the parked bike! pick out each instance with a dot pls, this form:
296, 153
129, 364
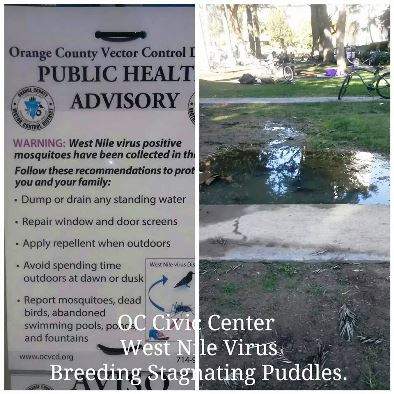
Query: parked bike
380, 82
277, 67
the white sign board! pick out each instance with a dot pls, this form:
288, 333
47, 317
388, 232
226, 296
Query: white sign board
99, 183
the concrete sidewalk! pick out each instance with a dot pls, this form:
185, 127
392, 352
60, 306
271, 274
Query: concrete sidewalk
312, 233
284, 100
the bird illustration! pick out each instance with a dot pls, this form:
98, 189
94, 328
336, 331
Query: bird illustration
185, 280
157, 335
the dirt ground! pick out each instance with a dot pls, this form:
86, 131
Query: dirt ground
305, 301
253, 131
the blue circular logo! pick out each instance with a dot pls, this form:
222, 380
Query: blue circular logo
33, 108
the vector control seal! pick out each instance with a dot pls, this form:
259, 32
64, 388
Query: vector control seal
33, 108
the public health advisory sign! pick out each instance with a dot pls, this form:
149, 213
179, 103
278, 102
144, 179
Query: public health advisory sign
99, 193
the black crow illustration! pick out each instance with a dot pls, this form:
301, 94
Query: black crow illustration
185, 280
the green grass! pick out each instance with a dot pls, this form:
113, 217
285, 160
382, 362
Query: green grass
229, 288
270, 281
370, 375
372, 381
288, 270
228, 300
310, 87
327, 125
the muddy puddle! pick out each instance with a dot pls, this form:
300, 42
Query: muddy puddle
283, 172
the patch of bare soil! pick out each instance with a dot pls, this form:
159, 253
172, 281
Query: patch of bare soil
305, 301
251, 132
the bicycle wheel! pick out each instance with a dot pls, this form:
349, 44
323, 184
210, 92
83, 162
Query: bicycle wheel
344, 86
288, 73
383, 85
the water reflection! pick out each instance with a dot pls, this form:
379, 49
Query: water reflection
283, 165
282, 173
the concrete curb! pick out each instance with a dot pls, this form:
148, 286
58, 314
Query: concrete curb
299, 233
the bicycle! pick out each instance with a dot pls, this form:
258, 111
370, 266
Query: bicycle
288, 71
379, 83
275, 66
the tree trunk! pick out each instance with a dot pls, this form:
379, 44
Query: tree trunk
233, 18
325, 41
205, 37
321, 32
256, 31
315, 28
249, 19
230, 48
341, 29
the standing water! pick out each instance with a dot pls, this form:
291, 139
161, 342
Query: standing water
282, 173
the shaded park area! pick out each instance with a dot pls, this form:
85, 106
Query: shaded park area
293, 51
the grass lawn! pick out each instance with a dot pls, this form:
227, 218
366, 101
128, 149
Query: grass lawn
327, 125
302, 87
